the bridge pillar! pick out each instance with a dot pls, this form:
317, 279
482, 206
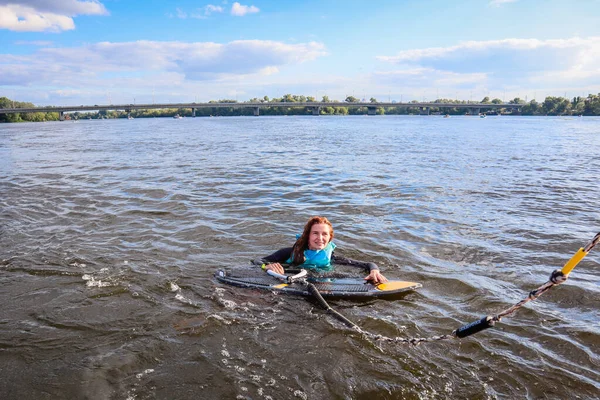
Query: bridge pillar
425, 110
316, 110
371, 110
61, 115
428, 110
256, 111
194, 112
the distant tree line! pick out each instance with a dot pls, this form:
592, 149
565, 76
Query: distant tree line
550, 106
25, 117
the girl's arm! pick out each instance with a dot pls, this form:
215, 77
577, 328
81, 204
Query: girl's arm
369, 266
272, 262
374, 274
280, 256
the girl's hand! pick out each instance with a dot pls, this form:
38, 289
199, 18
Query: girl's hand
275, 267
376, 277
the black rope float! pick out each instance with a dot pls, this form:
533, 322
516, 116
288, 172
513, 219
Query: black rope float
556, 278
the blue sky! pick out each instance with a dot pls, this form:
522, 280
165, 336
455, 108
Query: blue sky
67, 52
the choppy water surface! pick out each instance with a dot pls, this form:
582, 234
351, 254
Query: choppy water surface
110, 232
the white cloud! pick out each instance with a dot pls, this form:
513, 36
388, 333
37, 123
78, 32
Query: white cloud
206, 11
39, 15
67, 93
481, 47
26, 19
269, 71
161, 71
180, 14
200, 61
516, 60
43, 43
487, 47
239, 10
63, 7
498, 3
424, 77
209, 9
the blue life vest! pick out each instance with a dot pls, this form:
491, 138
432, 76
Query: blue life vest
317, 259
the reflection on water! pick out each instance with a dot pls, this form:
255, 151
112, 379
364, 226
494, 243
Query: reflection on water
110, 232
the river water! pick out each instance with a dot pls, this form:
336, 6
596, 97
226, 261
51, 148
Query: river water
111, 231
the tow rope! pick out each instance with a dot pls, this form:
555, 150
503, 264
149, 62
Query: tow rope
556, 278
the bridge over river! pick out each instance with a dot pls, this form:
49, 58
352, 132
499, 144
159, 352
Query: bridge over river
315, 107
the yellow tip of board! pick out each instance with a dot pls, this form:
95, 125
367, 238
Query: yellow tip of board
280, 286
395, 285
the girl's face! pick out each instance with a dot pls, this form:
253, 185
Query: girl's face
319, 237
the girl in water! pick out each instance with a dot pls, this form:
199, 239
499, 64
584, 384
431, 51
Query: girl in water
314, 250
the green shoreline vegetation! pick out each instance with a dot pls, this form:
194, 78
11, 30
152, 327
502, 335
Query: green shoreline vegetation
551, 106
